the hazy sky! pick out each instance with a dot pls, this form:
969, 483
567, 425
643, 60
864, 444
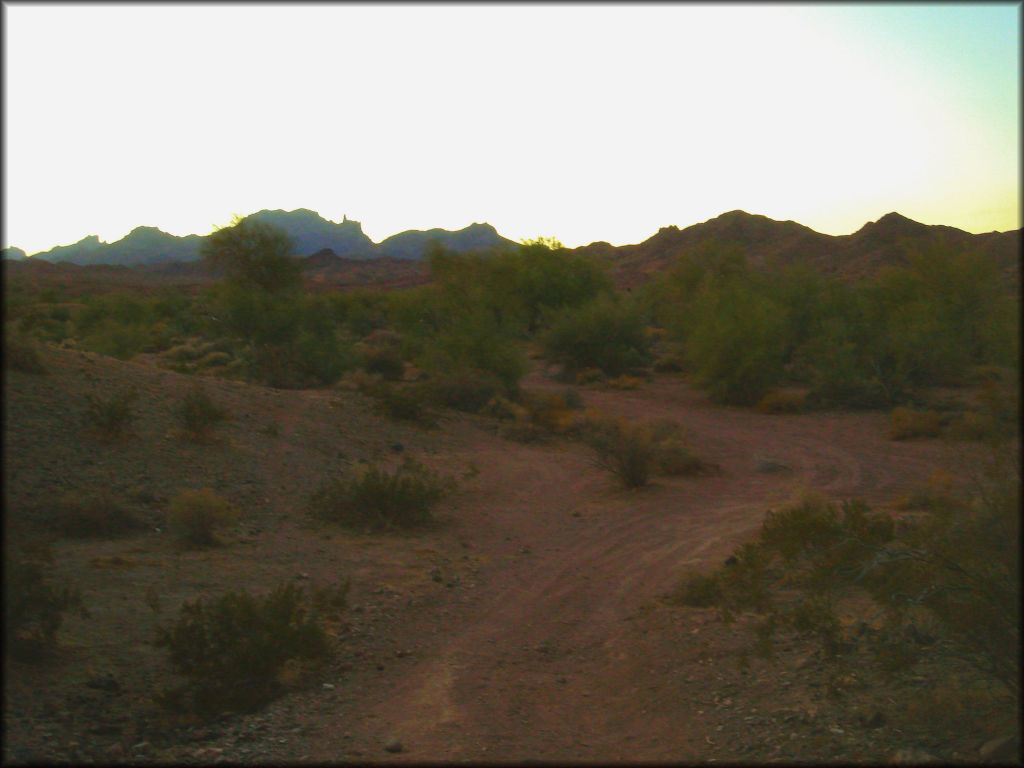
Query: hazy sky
581, 122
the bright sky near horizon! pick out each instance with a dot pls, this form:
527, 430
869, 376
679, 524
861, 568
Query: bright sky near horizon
580, 122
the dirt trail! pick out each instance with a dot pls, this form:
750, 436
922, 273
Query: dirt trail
529, 625
543, 656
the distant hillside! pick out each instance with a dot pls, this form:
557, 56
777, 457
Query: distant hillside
12, 253
770, 243
413, 243
341, 254
310, 233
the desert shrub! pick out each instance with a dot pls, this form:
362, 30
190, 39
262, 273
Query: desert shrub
381, 352
34, 606
475, 347
542, 277
361, 310
197, 414
45, 323
625, 450
669, 362
111, 417
21, 353
699, 590
634, 451
118, 325
195, 516
386, 361
944, 581
737, 341
234, 650
121, 341
253, 256
213, 359
604, 334
378, 498
502, 408
307, 358
365, 383
625, 381
404, 403
322, 356
906, 423
518, 288
672, 457
183, 353
159, 337
275, 366
550, 410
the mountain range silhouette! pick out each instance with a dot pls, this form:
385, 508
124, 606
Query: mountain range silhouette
764, 241
310, 233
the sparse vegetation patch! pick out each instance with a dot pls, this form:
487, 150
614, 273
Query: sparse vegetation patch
195, 517
944, 580
233, 650
111, 417
34, 605
198, 414
377, 498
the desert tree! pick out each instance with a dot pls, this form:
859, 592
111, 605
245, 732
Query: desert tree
253, 255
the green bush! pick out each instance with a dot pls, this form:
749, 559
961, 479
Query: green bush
625, 450
377, 498
605, 334
215, 359
34, 607
516, 289
698, 590
46, 323
111, 417
322, 356
195, 516
197, 414
401, 402
253, 256
121, 341
634, 451
738, 342
950, 570
21, 353
381, 352
673, 457
474, 350
233, 650
307, 359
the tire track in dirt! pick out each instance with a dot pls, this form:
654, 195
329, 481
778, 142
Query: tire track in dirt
538, 663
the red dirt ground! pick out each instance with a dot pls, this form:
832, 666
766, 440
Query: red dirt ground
529, 624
